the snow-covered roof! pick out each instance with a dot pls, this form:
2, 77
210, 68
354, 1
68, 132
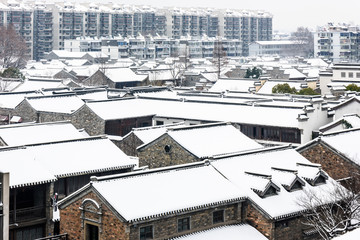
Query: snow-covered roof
186, 189
24, 170
232, 232
68, 55
211, 139
242, 85
148, 134
294, 73
197, 110
347, 121
34, 84
124, 75
83, 156
253, 172
67, 103
225, 180
11, 100
29, 133
45, 162
345, 142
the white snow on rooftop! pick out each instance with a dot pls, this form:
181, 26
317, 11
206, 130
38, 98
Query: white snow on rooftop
211, 139
268, 116
38, 84
57, 103
232, 85
284, 202
12, 100
22, 134
83, 156
233, 232
23, 168
124, 75
346, 142
184, 189
148, 134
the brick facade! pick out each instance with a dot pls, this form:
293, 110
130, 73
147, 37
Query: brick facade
336, 165
112, 228
154, 155
289, 228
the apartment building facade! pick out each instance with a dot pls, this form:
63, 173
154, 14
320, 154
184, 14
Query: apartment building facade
147, 47
46, 26
337, 43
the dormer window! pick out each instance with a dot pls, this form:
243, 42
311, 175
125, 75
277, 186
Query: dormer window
270, 192
296, 186
320, 180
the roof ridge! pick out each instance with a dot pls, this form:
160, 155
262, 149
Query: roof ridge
251, 151
146, 171
206, 125
339, 132
27, 124
68, 94
158, 126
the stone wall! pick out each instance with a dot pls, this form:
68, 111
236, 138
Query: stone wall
290, 228
111, 226
259, 221
155, 155
167, 227
334, 164
129, 144
26, 112
88, 120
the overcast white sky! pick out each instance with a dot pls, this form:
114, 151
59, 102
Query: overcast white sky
288, 14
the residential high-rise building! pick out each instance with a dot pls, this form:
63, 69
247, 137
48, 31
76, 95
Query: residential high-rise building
337, 42
45, 26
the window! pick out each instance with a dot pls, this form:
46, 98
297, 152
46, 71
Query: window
218, 216
92, 232
357, 75
183, 224
297, 186
343, 74
270, 192
282, 224
351, 75
146, 233
320, 180
159, 123
167, 148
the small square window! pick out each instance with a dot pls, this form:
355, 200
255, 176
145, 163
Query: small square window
351, 75
343, 74
357, 75
183, 224
218, 216
146, 233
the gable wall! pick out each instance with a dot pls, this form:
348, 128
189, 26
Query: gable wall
154, 155
26, 112
88, 120
332, 163
112, 227
129, 144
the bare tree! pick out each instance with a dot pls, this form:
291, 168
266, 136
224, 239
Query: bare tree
13, 49
219, 56
305, 40
177, 70
332, 215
